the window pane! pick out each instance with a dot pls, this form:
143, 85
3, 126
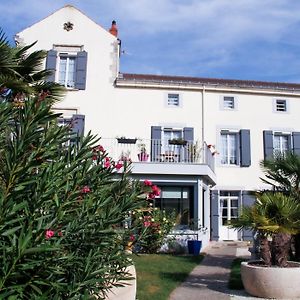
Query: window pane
232, 149
224, 149
71, 72
62, 70
178, 200
234, 213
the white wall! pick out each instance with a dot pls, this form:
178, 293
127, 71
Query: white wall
254, 112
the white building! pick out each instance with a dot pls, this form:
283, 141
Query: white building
225, 127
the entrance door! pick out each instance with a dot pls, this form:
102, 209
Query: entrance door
228, 211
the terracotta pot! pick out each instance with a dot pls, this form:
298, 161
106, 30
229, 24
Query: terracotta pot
271, 282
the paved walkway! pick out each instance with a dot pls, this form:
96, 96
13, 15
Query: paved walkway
209, 280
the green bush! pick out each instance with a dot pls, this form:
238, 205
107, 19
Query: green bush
63, 201
150, 224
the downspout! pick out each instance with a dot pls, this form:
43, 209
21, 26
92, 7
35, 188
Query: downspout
202, 129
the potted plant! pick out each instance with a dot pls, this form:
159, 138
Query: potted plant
275, 216
143, 155
179, 141
194, 245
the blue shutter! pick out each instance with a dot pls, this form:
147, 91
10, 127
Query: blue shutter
81, 65
188, 135
245, 154
268, 144
51, 64
247, 200
296, 142
214, 206
155, 143
78, 124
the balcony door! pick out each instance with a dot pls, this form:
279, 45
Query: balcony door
171, 152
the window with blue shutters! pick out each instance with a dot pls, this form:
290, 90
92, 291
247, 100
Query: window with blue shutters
278, 143
68, 66
235, 147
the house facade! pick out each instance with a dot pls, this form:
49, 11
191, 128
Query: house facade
199, 139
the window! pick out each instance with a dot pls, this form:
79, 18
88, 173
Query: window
281, 143
173, 100
228, 103
67, 70
178, 200
229, 146
281, 105
235, 147
68, 65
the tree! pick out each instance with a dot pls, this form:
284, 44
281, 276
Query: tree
275, 217
22, 73
283, 173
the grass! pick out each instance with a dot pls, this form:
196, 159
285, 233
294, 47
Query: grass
159, 274
235, 280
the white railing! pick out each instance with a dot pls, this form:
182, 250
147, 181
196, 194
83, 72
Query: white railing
158, 151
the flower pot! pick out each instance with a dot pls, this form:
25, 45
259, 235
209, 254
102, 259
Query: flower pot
271, 282
194, 247
126, 141
143, 156
177, 142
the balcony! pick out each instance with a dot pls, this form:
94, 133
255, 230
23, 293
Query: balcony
172, 152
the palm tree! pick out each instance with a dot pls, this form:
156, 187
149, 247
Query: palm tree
283, 173
275, 217
22, 73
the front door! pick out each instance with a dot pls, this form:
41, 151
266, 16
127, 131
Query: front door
228, 212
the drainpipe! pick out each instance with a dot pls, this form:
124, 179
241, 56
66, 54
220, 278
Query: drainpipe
202, 129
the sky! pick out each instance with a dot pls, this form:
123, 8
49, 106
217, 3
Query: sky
232, 39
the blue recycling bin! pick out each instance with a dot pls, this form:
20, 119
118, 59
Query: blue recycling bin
194, 247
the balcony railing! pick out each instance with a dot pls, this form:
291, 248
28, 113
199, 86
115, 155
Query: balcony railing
159, 151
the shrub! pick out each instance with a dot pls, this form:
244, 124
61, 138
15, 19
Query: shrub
63, 201
150, 224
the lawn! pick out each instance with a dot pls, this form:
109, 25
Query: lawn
159, 274
235, 280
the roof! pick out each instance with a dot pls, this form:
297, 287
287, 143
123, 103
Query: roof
165, 79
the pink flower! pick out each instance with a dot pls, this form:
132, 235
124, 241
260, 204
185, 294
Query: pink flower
147, 223
94, 157
147, 182
49, 234
99, 148
107, 162
132, 238
85, 189
119, 165
155, 190
151, 196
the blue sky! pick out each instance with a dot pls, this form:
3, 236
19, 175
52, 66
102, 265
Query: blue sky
236, 39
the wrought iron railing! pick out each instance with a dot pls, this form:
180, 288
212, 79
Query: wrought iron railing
159, 151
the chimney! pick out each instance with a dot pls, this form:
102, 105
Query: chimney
113, 29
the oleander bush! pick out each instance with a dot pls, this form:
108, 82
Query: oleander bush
63, 200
